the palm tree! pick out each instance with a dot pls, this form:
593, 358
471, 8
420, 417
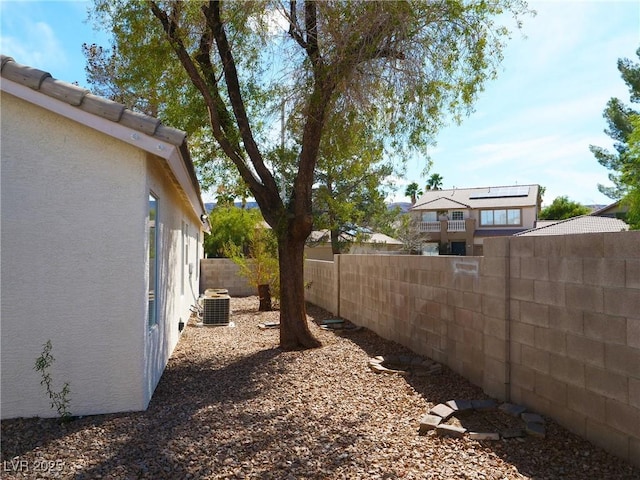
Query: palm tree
412, 191
434, 182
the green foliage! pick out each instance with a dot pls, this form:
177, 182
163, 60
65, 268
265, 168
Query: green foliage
562, 208
259, 266
230, 225
623, 162
413, 191
630, 174
403, 67
397, 71
351, 181
59, 400
408, 232
434, 182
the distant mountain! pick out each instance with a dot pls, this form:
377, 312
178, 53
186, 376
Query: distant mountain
404, 206
595, 208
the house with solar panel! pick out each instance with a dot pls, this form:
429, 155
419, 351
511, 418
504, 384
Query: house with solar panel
456, 221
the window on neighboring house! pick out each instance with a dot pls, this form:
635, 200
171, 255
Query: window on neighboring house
500, 217
457, 215
429, 217
152, 226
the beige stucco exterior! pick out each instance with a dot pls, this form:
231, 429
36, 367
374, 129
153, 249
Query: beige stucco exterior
75, 259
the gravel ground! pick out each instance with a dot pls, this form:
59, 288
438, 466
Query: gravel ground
232, 405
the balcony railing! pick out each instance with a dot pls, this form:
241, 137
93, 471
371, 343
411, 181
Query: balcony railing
452, 226
455, 226
429, 226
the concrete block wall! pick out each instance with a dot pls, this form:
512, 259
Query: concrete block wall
549, 322
451, 309
321, 284
223, 273
575, 334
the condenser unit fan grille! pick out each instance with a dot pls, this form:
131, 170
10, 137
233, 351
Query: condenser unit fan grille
216, 310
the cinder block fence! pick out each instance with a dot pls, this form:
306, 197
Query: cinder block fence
552, 323
223, 273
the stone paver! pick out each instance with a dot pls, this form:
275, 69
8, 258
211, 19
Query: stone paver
513, 409
532, 418
535, 429
513, 433
488, 404
442, 411
484, 436
414, 364
429, 422
460, 405
451, 431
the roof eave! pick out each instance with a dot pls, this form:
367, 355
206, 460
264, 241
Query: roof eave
177, 156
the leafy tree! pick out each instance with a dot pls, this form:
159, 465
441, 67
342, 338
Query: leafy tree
622, 128
259, 265
350, 178
413, 191
562, 208
408, 232
406, 67
230, 225
435, 182
630, 175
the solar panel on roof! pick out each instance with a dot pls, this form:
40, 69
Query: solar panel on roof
501, 192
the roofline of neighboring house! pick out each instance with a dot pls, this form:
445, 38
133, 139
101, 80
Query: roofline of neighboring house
443, 193
440, 198
111, 118
559, 222
596, 213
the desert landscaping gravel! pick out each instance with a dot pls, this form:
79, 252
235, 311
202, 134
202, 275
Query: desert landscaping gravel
232, 405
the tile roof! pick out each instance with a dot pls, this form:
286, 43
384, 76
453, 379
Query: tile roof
374, 237
82, 99
576, 225
479, 197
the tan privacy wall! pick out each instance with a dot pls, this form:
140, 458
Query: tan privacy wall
552, 323
223, 273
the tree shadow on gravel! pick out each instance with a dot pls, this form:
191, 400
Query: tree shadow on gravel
184, 432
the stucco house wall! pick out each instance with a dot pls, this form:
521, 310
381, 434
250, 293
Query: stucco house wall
75, 252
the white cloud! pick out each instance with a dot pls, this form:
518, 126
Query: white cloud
37, 46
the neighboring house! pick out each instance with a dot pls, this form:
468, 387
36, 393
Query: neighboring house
603, 220
615, 210
457, 221
102, 225
583, 224
318, 245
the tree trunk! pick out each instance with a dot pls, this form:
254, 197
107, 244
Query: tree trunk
294, 330
335, 241
264, 294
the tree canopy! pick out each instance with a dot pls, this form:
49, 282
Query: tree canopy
624, 161
562, 208
222, 70
230, 225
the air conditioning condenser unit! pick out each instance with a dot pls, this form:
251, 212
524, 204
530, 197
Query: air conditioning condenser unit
215, 310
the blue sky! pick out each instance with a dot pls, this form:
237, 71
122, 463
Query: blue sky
534, 124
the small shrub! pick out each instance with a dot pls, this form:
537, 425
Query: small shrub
59, 400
